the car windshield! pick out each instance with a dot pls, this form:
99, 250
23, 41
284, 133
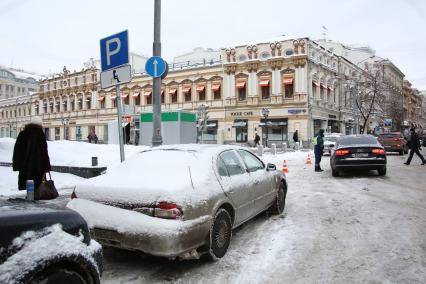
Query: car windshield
354, 140
389, 135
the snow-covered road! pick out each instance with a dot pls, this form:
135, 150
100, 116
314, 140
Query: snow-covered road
354, 229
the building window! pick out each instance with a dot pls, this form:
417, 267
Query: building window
265, 55
288, 87
136, 99
162, 96
57, 133
265, 89
241, 90
58, 106
88, 103
54, 85
78, 134
80, 103
322, 87
113, 101
148, 97
64, 105
72, 103
201, 90
187, 93
173, 95
51, 107
289, 52
101, 101
216, 89
242, 57
75, 81
125, 98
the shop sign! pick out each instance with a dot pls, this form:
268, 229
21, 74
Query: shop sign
241, 113
332, 116
296, 111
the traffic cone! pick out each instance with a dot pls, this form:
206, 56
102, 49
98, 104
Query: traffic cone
285, 168
308, 160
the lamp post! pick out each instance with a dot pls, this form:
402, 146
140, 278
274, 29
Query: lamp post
265, 114
65, 122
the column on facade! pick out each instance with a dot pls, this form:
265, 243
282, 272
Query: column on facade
226, 86
94, 101
275, 81
83, 101
252, 84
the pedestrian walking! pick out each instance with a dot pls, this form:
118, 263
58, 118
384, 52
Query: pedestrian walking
414, 147
318, 149
256, 140
295, 138
30, 156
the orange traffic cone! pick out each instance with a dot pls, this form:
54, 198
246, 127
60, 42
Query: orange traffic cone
308, 160
285, 168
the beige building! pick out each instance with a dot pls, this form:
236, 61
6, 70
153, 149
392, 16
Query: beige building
412, 105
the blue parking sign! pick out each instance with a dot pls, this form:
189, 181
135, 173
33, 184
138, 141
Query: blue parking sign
114, 50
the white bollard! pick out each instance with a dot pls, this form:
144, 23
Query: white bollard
284, 147
274, 149
296, 146
260, 150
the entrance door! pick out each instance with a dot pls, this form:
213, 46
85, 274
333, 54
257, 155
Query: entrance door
46, 133
241, 130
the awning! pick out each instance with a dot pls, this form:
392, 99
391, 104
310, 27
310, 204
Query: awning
173, 91
239, 124
136, 95
288, 81
264, 83
186, 90
315, 83
113, 97
330, 88
216, 87
323, 86
101, 99
162, 92
124, 96
147, 93
201, 88
241, 85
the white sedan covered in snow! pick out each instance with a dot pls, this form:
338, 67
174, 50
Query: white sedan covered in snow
179, 201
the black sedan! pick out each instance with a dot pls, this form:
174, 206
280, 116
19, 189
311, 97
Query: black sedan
362, 152
40, 244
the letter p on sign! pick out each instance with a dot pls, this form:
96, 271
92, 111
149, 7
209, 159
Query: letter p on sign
114, 51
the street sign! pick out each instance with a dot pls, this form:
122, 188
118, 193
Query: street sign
116, 76
156, 66
114, 50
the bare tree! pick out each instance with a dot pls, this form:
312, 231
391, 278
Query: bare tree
368, 94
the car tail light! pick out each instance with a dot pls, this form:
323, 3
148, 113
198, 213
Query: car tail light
167, 210
378, 151
73, 194
342, 152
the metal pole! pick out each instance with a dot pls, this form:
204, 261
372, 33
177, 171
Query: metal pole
120, 128
16, 118
157, 139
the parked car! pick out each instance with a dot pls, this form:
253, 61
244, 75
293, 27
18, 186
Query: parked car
393, 142
46, 245
330, 141
179, 201
358, 152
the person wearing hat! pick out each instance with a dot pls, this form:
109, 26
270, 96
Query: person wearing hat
318, 149
30, 156
414, 147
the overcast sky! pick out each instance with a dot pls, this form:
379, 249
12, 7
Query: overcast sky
45, 35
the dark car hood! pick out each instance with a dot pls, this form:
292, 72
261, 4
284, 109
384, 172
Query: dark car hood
18, 216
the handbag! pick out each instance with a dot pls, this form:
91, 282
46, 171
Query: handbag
46, 190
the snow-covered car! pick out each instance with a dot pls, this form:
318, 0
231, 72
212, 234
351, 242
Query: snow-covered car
41, 244
179, 201
330, 142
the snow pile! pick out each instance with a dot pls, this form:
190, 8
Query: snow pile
37, 247
73, 153
131, 222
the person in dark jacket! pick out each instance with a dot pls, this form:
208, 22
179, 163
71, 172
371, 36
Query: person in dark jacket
414, 147
30, 156
256, 140
318, 149
295, 137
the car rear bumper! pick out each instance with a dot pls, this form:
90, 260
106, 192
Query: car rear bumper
136, 231
361, 163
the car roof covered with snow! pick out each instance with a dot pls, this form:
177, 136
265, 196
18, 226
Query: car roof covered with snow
166, 172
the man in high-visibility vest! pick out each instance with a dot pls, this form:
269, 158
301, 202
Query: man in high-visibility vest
318, 149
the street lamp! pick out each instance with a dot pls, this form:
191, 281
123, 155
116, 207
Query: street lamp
65, 122
265, 114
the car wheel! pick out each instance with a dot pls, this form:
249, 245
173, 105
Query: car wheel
59, 275
220, 234
382, 171
334, 173
279, 203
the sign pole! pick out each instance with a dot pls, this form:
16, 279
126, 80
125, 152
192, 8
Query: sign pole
120, 127
157, 139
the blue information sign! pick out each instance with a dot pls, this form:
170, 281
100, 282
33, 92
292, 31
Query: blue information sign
114, 51
155, 66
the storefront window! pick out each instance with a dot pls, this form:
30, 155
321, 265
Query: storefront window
274, 130
57, 133
241, 130
78, 134
210, 134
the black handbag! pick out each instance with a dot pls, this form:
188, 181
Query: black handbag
46, 190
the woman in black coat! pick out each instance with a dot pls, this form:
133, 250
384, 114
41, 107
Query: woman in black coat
30, 156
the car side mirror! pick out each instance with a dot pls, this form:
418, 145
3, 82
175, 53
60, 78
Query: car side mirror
271, 167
